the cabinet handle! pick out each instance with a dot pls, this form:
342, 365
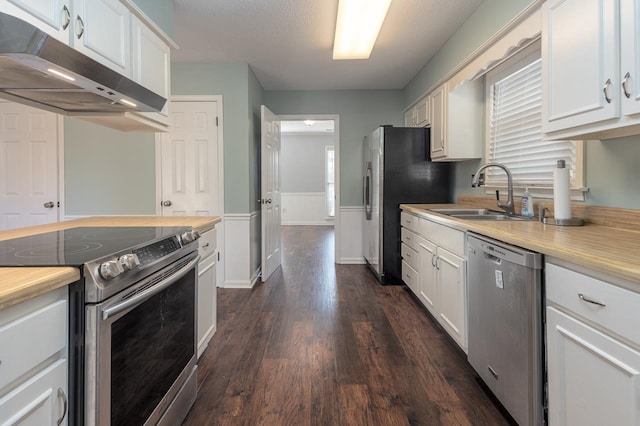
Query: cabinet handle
80, 26
606, 89
67, 17
437, 265
62, 395
625, 81
585, 299
433, 260
205, 245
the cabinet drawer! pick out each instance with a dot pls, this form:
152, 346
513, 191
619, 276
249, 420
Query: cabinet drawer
409, 255
620, 315
31, 339
410, 221
443, 236
410, 277
208, 244
39, 401
409, 238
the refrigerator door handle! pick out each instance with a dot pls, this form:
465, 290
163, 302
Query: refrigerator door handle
367, 192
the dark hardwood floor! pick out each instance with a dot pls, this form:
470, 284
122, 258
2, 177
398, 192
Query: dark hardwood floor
325, 344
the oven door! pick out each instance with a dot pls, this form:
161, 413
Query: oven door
140, 348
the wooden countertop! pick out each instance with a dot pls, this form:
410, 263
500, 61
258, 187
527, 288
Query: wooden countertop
613, 251
19, 284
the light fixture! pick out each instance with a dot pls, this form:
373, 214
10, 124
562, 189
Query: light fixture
60, 74
129, 103
357, 27
309, 122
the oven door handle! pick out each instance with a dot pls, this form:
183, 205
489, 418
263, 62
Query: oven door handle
150, 292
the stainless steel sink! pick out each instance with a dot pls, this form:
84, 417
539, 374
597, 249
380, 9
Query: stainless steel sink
478, 214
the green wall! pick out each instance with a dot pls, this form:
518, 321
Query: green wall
256, 94
361, 111
232, 82
160, 12
108, 171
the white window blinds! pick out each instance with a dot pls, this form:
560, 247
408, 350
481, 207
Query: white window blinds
515, 131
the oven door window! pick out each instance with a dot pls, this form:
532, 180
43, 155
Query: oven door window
150, 346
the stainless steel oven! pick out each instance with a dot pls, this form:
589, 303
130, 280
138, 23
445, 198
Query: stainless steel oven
132, 319
140, 350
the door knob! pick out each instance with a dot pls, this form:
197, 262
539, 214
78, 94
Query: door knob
167, 203
49, 205
268, 201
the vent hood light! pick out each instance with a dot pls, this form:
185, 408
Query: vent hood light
357, 27
60, 74
126, 102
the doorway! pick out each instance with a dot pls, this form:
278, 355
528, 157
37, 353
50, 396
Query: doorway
309, 167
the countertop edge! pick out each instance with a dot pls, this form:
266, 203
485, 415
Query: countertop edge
588, 260
32, 282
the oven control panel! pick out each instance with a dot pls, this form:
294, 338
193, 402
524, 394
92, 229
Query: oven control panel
157, 250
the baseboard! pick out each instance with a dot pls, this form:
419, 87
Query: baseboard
351, 261
305, 223
238, 284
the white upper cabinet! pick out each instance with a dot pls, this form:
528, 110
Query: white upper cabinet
630, 58
456, 121
51, 16
591, 67
151, 61
581, 77
418, 114
102, 31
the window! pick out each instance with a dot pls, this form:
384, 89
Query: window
514, 129
330, 191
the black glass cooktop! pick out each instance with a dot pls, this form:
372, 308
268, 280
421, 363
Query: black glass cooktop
77, 246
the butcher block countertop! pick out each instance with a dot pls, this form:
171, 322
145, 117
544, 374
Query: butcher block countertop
20, 284
610, 250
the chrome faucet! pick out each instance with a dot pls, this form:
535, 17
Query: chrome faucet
477, 180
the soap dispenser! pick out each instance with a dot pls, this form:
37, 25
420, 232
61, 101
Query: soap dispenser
527, 204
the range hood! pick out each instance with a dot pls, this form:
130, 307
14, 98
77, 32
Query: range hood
40, 71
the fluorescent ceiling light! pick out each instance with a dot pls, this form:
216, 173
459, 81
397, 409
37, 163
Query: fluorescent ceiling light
357, 27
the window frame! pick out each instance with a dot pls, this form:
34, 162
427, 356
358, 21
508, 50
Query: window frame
510, 65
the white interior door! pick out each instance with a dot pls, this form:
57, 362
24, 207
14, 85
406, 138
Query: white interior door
270, 199
28, 166
190, 161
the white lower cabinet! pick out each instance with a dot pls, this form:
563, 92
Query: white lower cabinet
33, 361
441, 268
593, 350
207, 293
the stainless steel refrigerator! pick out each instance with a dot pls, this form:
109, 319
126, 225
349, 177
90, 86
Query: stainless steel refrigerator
398, 170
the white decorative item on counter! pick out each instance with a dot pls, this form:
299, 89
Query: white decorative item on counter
561, 192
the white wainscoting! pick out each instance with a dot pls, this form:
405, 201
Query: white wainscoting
304, 208
351, 226
242, 259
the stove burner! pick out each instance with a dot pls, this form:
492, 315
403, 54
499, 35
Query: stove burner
47, 250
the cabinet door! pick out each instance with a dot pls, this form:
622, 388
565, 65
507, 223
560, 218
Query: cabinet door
409, 117
102, 31
428, 289
422, 113
580, 63
42, 400
206, 302
51, 16
151, 61
630, 56
452, 294
593, 379
438, 122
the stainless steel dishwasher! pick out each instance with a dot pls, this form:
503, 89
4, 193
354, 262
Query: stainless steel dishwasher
505, 325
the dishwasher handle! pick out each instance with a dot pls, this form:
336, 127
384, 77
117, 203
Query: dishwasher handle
498, 250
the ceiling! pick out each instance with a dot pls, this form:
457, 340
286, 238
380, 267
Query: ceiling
288, 43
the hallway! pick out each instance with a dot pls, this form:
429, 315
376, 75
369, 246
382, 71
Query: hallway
325, 344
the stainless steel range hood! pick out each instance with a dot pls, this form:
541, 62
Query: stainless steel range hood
40, 71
